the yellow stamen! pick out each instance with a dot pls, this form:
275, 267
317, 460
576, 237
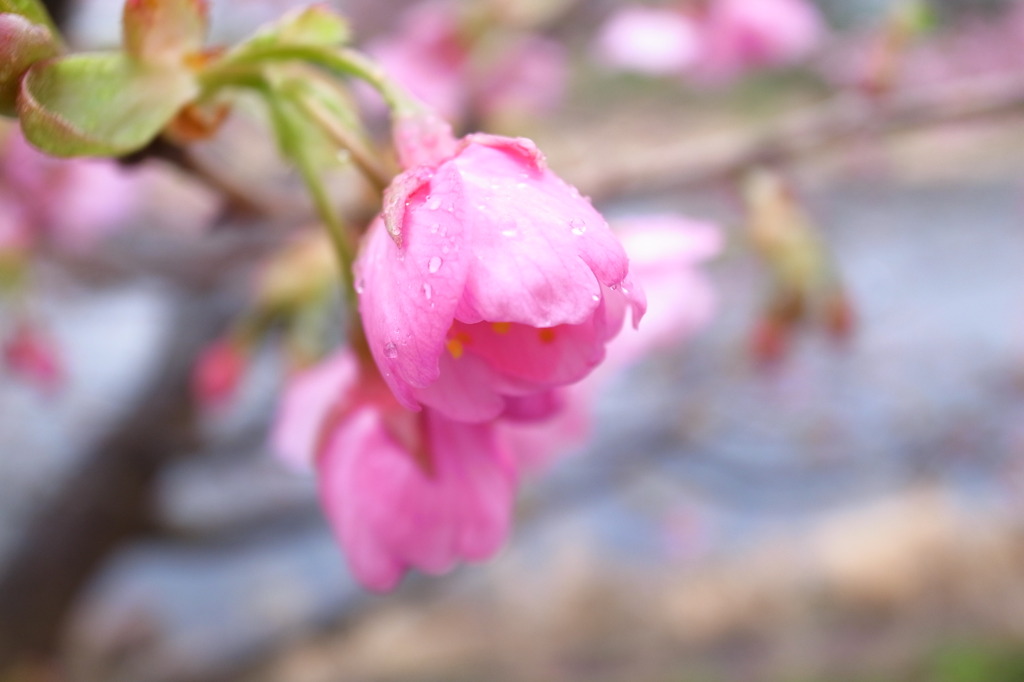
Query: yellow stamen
502, 327
457, 344
547, 335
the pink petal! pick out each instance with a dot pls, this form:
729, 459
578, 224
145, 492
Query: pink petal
466, 390
541, 251
308, 399
390, 515
408, 296
545, 357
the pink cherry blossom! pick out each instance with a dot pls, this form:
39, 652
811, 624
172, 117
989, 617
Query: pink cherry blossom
648, 40
739, 35
32, 355
489, 277
401, 489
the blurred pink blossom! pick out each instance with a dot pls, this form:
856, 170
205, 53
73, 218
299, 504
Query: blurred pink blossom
428, 56
654, 41
489, 277
217, 373
740, 35
528, 77
713, 41
69, 202
462, 72
30, 354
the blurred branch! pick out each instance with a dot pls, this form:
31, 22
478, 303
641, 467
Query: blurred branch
843, 120
106, 501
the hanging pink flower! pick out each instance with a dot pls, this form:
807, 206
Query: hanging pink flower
488, 277
401, 490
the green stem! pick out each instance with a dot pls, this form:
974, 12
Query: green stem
294, 149
345, 61
361, 156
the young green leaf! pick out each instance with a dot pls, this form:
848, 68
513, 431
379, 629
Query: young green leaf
313, 26
99, 104
22, 43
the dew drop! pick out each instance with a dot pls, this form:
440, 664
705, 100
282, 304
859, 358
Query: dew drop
595, 298
434, 228
509, 233
360, 285
433, 203
428, 291
390, 350
577, 226
434, 264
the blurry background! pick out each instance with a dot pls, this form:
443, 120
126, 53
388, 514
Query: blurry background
810, 503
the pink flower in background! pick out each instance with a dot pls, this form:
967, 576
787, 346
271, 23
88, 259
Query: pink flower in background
666, 252
716, 41
461, 69
218, 373
654, 41
30, 354
497, 280
427, 55
528, 76
401, 489
70, 202
739, 35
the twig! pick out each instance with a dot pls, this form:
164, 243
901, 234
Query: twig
839, 121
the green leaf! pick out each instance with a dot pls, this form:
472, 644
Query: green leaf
99, 104
164, 30
22, 43
33, 10
313, 26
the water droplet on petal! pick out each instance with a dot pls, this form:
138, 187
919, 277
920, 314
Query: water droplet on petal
360, 285
595, 298
434, 228
434, 264
390, 350
509, 233
578, 226
433, 203
428, 291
